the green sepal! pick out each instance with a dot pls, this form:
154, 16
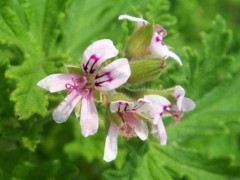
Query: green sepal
139, 42
97, 96
145, 70
74, 69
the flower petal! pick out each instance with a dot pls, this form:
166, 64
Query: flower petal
175, 57
110, 150
157, 47
188, 104
139, 126
55, 82
120, 106
63, 111
141, 106
89, 115
162, 132
158, 105
178, 91
96, 54
113, 75
157, 99
179, 94
140, 22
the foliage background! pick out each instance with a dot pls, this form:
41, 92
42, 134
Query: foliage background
38, 37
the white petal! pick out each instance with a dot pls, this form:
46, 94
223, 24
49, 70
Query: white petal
157, 47
158, 100
188, 104
55, 82
141, 106
162, 132
63, 111
139, 126
96, 54
178, 91
120, 106
179, 94
140, 22
113, 75
158, 104
110, 150
180, 103
175, 57
89, 115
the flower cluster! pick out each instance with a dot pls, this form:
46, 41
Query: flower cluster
127, 114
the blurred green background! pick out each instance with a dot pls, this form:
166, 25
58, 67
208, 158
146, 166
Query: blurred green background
38, 37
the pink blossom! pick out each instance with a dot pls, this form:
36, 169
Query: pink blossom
158, 106
80, 87
182, 105
131, 125
157, 47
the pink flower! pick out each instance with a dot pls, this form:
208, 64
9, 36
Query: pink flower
158, 106
157, 48
80, 87
131, 125
182, 105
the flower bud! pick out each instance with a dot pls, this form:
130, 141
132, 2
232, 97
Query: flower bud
139, 42
144, 70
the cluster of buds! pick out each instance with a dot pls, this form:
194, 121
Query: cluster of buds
129, 113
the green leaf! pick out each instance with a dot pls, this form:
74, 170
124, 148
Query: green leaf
214, 62
13, 164
27, 26
172, 162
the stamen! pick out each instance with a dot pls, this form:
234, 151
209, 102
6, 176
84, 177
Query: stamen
127, 131
78, 85
177, 115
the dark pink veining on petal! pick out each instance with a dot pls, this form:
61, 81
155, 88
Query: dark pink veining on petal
126, 106
119, 106
90, 68
108, 78
137, 106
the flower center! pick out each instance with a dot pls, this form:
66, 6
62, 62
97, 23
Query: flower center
175, 114
126, 130
78, 84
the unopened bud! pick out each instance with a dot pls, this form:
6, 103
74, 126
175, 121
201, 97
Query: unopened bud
145, 70
138, 43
